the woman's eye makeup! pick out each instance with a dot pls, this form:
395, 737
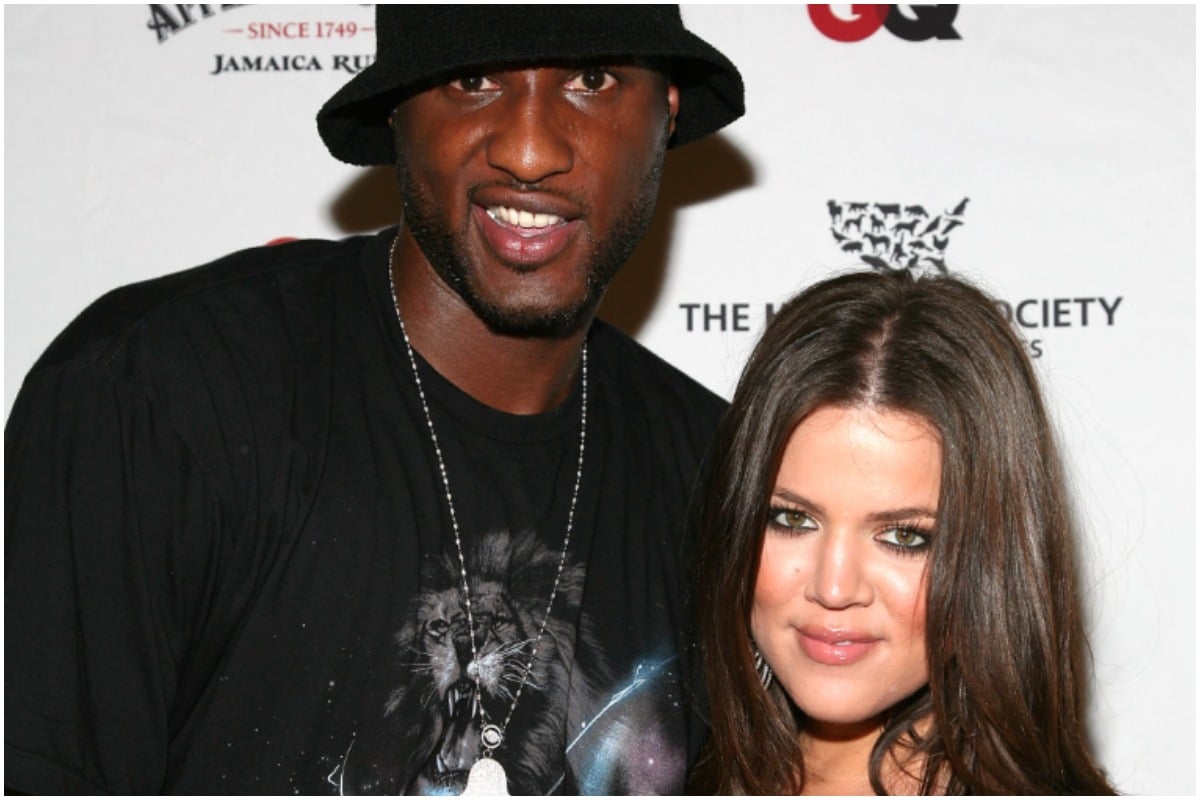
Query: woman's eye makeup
904, 538
907, 538
787, 519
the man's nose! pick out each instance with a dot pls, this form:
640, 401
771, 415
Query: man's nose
531, 138
838, 579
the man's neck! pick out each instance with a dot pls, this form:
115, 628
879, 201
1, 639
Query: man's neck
518, 375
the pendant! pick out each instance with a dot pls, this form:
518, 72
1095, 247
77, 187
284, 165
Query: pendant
487, 778
491, 737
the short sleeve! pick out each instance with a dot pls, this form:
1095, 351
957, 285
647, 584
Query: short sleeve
112, 539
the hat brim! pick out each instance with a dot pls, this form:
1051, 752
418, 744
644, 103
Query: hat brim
354, 126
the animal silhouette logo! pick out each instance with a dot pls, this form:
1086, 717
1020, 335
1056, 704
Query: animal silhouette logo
895, 236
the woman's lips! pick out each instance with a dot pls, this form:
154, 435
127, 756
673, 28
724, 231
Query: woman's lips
835, 648
524, 238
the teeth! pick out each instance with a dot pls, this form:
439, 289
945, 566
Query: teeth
522, 219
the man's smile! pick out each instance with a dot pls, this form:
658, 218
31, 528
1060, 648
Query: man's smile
526, 191
524, 238
521, 218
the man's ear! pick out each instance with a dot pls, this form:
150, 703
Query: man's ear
672, 107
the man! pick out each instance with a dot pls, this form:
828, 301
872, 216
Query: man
390, 514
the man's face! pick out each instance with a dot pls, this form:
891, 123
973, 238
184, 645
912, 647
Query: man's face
527, 189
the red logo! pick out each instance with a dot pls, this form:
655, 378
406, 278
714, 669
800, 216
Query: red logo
867, 19
913, 23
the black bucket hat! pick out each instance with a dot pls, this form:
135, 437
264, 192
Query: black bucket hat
418, 45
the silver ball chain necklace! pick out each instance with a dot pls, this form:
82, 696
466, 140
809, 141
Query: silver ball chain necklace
487, 775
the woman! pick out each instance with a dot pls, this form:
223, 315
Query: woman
887, 591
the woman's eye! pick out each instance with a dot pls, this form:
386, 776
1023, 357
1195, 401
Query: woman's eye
592, 80
791, 519
908, 538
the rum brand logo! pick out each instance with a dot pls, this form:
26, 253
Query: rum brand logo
913, 23
315, 33
168, 20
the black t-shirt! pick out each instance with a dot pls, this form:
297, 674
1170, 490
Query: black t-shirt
229, 564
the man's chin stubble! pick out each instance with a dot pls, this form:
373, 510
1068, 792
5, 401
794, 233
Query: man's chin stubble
604, 260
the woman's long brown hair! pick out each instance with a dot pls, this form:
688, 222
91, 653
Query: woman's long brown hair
1003, 712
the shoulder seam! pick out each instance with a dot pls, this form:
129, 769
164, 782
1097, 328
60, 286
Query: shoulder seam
118, 342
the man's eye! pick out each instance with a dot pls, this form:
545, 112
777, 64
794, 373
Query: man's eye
592, 80
473, 83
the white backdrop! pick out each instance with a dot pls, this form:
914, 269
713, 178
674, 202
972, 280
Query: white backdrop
1050, 150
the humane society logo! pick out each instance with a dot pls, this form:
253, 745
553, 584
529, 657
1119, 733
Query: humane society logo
271, 25
884, 236
894, 235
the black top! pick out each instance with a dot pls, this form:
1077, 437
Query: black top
229, 565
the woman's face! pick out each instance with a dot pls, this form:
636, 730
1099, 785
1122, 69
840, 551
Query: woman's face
839, 602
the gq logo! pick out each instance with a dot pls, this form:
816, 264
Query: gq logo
916, 24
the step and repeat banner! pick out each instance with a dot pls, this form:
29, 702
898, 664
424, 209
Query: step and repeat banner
1048, 153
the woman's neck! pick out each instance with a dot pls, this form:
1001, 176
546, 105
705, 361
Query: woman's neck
837, 761
837, 757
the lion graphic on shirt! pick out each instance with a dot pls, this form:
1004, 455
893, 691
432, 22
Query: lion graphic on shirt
614, 741
510, 580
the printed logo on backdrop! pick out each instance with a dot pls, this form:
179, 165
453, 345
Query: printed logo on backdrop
257, 25
892, 236
884, 236
895, 235
898, 236
908, 22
